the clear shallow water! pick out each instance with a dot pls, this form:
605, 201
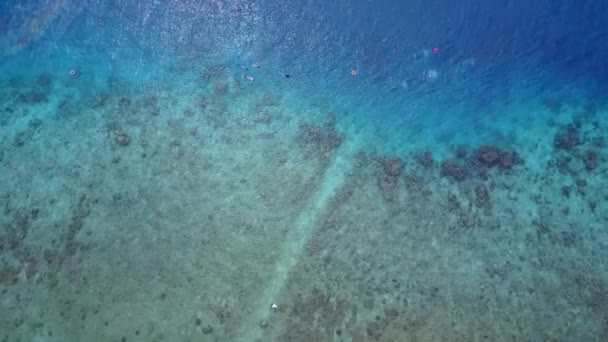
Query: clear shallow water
162, 179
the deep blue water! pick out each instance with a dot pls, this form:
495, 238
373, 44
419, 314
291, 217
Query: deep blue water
487, 53
382, 39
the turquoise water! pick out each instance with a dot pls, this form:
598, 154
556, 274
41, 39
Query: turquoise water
303, 171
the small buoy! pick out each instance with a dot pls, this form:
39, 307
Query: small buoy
353, 72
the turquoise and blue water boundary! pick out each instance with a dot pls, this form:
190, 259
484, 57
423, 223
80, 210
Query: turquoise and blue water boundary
235, 171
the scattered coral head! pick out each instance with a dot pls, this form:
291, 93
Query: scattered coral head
392, 166
449, 168
590, 159
490, 156
482, 196
567, 139
425, 159
319, 140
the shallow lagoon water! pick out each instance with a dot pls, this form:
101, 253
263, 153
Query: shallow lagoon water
163, 180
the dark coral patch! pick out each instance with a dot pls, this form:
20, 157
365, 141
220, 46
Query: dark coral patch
425, 160
479, 163
461, 152
317, 140
490, 156
450, 168
392, 166
590, 159
567, 138
33, 97
482, 196
389, 172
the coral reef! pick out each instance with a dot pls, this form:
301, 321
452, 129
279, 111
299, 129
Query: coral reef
220, 89
388, 176
122, 139
567, 138
490, 156
482, 197
451, 169
425, 159
577, 147
392, 166
590, 159
319, 141
484, 158
33, 97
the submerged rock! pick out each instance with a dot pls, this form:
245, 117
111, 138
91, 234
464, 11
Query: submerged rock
393, 166
590, 159
567, 138
425, 159
490, 156
482, 196
122, 139
319, 140
450, 168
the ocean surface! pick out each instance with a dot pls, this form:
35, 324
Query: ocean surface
232, 170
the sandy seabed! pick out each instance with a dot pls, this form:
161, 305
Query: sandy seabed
184, 214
